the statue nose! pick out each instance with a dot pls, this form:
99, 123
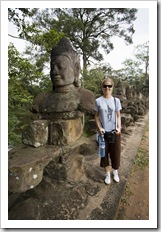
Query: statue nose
55, 70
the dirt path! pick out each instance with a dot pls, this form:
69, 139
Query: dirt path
134, 204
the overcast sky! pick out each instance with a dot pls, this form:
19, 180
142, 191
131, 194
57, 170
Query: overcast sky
121, 51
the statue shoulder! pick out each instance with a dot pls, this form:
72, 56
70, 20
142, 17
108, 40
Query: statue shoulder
86, 92
38, 101
87, 100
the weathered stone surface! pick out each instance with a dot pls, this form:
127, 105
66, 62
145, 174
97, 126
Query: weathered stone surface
48, 202
36, 134
61, 102
87, 149
12, 197
126, 120
65, 65
57, 116
133, 102
56, 102
56, 170
26, 210
87, 101
91, 189
120, 89
61, 203
65, 132
91, 126
63, 111
26, 165
73, 161
81, 195
93, 173
109, 204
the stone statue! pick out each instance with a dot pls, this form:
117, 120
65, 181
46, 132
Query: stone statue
65, 66
60, 111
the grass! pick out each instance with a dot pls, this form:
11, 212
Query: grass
142, 156
141, 161
127, 193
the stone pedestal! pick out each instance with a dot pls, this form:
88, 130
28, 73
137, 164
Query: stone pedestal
26, 166
59, 132
65, 132
36, 134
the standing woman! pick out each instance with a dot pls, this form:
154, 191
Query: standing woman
108, 118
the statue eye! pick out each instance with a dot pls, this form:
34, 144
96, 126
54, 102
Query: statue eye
62, 66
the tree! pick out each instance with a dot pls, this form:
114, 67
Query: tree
41, 39
24, 75
87, 28
20, 17
93, 80
135, 69
24, 82
91, 28
142, 55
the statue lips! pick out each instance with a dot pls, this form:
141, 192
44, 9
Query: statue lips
58, 77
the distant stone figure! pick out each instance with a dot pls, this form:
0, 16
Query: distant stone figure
64, 106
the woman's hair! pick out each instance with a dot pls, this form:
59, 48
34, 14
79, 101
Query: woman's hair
107, 79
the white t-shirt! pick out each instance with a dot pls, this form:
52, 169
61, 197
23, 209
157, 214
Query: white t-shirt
107, 112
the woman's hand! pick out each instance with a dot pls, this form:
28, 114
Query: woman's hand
118, 131
101, 130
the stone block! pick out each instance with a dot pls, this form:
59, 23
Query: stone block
36, 134
26, 166
65, 132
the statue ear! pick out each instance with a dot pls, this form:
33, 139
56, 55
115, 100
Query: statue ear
77, 69
77, 83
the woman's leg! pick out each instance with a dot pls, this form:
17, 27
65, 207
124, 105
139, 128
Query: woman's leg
115, 152
106, 165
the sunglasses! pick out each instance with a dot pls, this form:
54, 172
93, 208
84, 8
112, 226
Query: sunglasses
105, 86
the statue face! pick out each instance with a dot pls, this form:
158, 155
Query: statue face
62, 72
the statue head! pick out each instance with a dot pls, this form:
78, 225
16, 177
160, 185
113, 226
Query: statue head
65, 64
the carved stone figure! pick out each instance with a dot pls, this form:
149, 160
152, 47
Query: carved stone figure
65, 105
65, 66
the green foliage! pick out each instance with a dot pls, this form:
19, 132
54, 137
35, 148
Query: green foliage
48, 41
142, 158
40, 37
127, 193
20, 17
135, 70
24, 82
13, 138
92, 80
142, 54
